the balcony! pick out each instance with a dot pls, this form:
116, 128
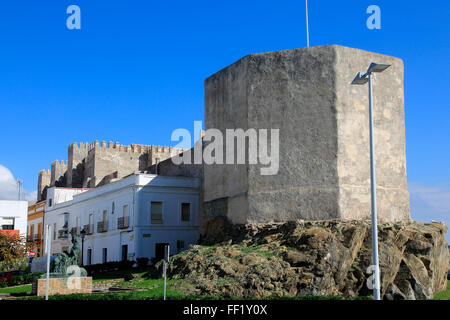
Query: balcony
30, 238
122, 223
102, 226
89, 228
37, 237
75, 231
63, 234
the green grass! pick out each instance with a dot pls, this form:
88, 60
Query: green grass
444, 295
20, 289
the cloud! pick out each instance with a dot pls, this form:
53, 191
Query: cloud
8, 187
430, 202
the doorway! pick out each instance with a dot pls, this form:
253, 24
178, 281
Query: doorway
124, 252
159, 251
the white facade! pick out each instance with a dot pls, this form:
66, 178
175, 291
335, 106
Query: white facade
57, 195
131, 197
13, 215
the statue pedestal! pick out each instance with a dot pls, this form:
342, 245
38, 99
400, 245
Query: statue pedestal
67, 285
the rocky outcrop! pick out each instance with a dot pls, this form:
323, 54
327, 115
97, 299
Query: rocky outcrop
315, 258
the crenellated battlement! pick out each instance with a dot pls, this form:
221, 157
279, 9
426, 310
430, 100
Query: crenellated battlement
133, 148
100, 162
81, 145
61, 163
43, 171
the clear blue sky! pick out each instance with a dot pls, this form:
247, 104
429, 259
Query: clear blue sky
135, 70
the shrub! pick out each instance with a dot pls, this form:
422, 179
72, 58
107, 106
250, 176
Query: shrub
16, 280
142, 262
125, 265
3, 282
155, 260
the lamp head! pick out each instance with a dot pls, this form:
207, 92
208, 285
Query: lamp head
377, 67
361, 78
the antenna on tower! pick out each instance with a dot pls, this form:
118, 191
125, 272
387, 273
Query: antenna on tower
19, 183
307, 29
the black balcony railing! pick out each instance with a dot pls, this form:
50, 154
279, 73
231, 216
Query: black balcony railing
122, 223
102, 226
89, 228
63, 234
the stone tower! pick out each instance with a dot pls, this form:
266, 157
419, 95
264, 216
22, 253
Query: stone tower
324, 136
44, 179
75, 164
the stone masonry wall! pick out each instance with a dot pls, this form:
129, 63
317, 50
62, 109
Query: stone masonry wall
63, 286
323, 127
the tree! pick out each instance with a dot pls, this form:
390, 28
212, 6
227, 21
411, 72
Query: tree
13, 252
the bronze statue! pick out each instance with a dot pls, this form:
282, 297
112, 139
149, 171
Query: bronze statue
66, 265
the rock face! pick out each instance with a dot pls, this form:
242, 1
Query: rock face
315, 258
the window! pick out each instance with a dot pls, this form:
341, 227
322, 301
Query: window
125, 211
90, 228
185, 211
105, 255
49, 202
54, 231
8, 224
180, 245
113, 207
105, 215
66, 220
156, 213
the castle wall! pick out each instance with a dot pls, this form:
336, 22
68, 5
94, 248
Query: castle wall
104, 159
353, 137
95, 164
157, 154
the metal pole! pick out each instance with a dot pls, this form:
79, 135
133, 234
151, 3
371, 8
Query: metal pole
307, 28
82, 250
166, 260
375, 262
48, 245
19, 182
164, 279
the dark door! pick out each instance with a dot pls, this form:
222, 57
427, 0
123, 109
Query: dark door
159, 251
124, 252
89, 257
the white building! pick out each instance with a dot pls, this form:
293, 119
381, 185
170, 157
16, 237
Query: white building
13, 217
128, 219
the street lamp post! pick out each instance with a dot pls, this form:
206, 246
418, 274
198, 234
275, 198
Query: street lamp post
363, 78
83, 235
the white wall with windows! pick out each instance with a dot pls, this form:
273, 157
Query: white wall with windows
130, 218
